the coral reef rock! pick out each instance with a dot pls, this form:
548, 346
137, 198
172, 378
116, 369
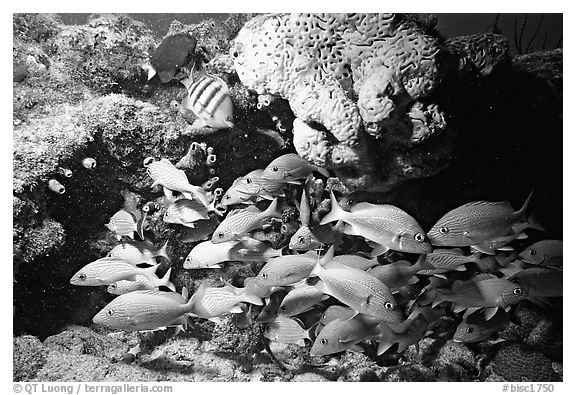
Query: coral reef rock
343, 75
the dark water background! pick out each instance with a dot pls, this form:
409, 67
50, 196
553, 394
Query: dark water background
542, 31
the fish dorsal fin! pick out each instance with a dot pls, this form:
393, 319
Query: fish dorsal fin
304, 209
364, 206
328, 257
485, 203
490, 312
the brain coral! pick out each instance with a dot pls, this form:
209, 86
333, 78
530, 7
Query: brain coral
341, 73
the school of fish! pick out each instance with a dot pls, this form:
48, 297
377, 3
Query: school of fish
393, 292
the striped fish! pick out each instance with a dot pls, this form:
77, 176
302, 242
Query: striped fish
135, 252
208, 98
286, 330
186, 212
301, 299
239, 222
164, 173
141, 283
214, 302
343, 334
286, 270
446, 260
105, 271
290, 167
122, 224
145, 310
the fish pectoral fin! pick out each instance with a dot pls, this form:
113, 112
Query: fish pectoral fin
490, 312
458, 308
236, 310
355, 348
348, 339
470, 311
482, 249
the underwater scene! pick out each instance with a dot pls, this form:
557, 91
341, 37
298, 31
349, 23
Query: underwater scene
287, 197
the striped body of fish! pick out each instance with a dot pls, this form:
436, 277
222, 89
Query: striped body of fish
357, 289
105, 271
476, 222
301, 299
343, 334
215, 302
208, 98
290, 167
186, 212
141, 283
122, 223
135, 252
164, 173
239, 222
389, 226
144, 310
286, 330
396, 275
286, 270
357, 261
446, 260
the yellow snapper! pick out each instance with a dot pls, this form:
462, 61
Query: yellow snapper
286, 270
108, 270
290, 167
207, 255
286, 330
483, 290
539, 281
145, 310
355, 288
208, 98
343, 334
396, 275
186, 212
122, 223
141, 283
135, 252
476, 222
213, 302
164, 173
301, 298
389, 226
234, 196
309, 236
202, 230
239, 222
475, 328
446, 260
544, 252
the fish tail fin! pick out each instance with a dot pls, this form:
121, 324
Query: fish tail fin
150, 272
249, 298
533, 223
304, 209
335, 214
522, 212
323, 171
190, 305
272, 210
165, 281
476, 257
162, 251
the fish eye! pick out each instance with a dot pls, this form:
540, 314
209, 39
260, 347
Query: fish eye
517, 291
112, 286
226, 197
82, 277
301, 239
388, 306
444, 230
283, 308
220, 235
248, 181
324, 342
469, 329
264, 275
275, 168
110, 313
419, 237
532, 252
